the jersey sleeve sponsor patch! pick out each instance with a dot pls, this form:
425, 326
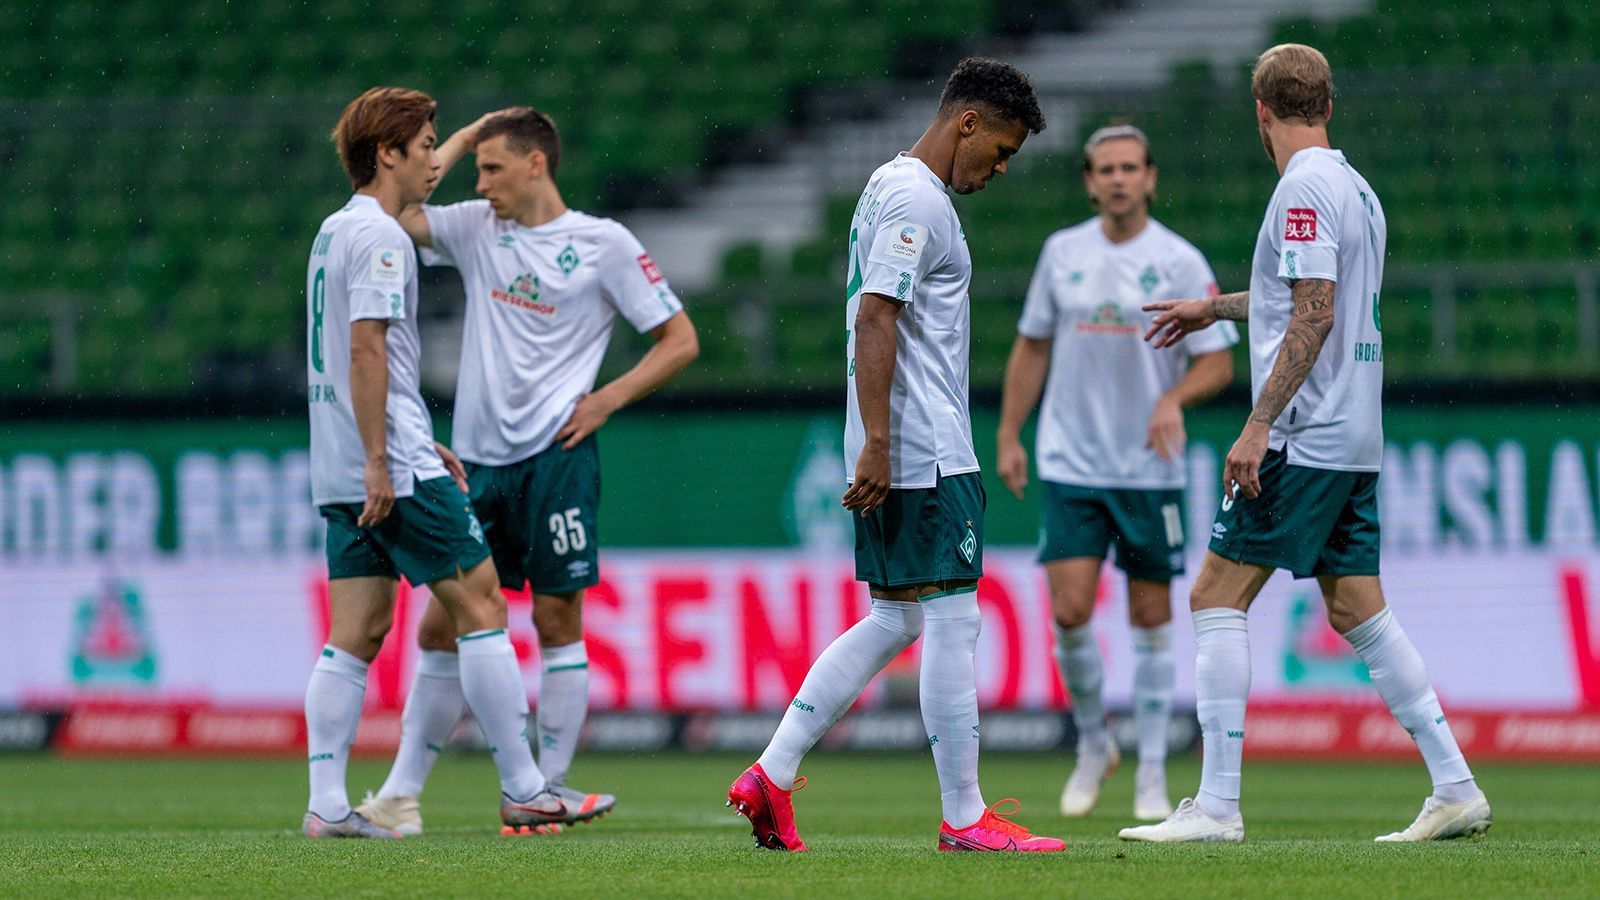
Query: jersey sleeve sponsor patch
1301, 225
900, 242
648, 267
388, 266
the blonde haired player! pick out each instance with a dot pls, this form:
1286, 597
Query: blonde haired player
1111, 444
1300, 484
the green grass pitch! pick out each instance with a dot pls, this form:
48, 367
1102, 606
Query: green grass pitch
201, 827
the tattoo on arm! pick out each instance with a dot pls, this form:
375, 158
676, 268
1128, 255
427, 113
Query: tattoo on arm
1309, 326
1232, 306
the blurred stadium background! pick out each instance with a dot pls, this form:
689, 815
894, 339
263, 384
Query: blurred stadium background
163, 165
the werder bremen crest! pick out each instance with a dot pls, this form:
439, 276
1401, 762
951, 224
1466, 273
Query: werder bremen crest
568, 260
111, 639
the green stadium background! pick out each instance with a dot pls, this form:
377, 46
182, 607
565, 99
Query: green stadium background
163, 167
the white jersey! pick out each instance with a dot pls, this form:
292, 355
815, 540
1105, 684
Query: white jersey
1324, 222
1087, 296
540, 306
363, 266
906, 243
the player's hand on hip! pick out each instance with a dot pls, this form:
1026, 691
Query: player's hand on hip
871, 485
1166, 436
452, 464
591, 411
1012, 461
1241, 473
1176, 318
380, 494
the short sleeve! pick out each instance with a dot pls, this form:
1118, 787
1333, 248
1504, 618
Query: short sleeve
1039, 308
904, 246
1306, 225
376, 270
448, 230
633, 284
1195, 280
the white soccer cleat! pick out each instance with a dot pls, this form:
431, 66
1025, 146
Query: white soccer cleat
401, 815
1088, 774
1442, 821
351, 826
1188, 824
1150, 800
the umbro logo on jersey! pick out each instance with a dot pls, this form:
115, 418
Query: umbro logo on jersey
1301, 225
506, 241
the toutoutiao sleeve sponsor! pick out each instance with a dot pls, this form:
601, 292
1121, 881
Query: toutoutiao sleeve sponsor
376, 271
903, 247
633, 284
1306, 225
1039, 308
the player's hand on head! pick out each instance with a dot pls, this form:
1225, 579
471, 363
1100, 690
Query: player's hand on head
1166, 435
1012, 461
871, 486
380, 494
1176, 318
452, 464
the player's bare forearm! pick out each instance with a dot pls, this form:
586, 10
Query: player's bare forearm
874, 364
1309, 326
369, 385
1206, 376
1024, 382
1232, 306
676, 345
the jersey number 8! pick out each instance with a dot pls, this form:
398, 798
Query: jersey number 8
568, 532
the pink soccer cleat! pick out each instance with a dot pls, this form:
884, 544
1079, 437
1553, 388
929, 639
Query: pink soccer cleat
768, 808
994, 830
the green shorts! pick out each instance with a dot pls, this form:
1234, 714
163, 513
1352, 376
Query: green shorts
540, 517
1309, 521
427, 536
1146, 526
923, 535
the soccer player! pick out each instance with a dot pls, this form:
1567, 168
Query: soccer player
1300, 483
1111, 443
386, 489
908, 443
544, 285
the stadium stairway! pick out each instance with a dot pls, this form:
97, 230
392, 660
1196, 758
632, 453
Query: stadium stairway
778, 203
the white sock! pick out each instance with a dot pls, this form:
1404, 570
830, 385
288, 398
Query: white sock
1221, 687
948, 689
333, 710
563, 705
433, 708
1082, 673
1402, 682
493, 687
1152, 691
836, 679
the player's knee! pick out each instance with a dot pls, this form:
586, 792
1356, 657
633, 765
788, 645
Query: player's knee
1073, 616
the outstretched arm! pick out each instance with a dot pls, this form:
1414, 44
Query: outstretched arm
676, 345
1178, 318
1309, 326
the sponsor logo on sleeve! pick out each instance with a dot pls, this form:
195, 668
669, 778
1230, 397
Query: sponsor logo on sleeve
902, 242
388, 266
648, 267
1301, 225
1212, 290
